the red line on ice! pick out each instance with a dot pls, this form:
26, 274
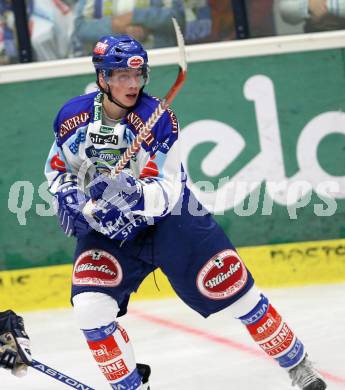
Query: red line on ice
217, 339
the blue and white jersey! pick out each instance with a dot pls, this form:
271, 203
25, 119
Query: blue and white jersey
83, 143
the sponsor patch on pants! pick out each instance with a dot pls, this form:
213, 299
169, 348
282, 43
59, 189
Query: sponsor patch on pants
223, 276
97, 268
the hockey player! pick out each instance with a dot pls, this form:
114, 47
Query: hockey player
15, 352
148, 219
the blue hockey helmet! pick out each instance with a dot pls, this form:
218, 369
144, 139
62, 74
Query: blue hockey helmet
119, 52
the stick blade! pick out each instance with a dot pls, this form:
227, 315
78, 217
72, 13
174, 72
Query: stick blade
181, 45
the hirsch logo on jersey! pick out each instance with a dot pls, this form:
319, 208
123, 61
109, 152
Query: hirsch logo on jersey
97, 268
100, 48
222, 276
135, 62
72, 123
100, 139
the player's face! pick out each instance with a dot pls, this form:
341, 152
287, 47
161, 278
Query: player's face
125, 85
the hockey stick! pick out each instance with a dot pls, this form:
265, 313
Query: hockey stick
145, 131
67, 380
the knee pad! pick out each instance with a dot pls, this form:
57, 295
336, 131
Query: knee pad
94, 309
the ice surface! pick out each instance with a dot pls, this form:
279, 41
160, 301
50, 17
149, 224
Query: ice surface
187, 352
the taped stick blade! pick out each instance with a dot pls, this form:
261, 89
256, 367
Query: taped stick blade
181, 45
181, 77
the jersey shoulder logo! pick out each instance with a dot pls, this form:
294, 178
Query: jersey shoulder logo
135, 120
70, 124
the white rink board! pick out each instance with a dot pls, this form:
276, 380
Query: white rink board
183, 361
195, 53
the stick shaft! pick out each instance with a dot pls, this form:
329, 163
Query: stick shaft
67, 380
141, 136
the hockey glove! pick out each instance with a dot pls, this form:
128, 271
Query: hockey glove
115, 224
116, 199
15, 351
71, 201
125, 192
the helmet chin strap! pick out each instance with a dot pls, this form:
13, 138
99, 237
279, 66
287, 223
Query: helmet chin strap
115, 101
110, 97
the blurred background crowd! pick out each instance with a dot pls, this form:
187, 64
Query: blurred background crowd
41, 30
